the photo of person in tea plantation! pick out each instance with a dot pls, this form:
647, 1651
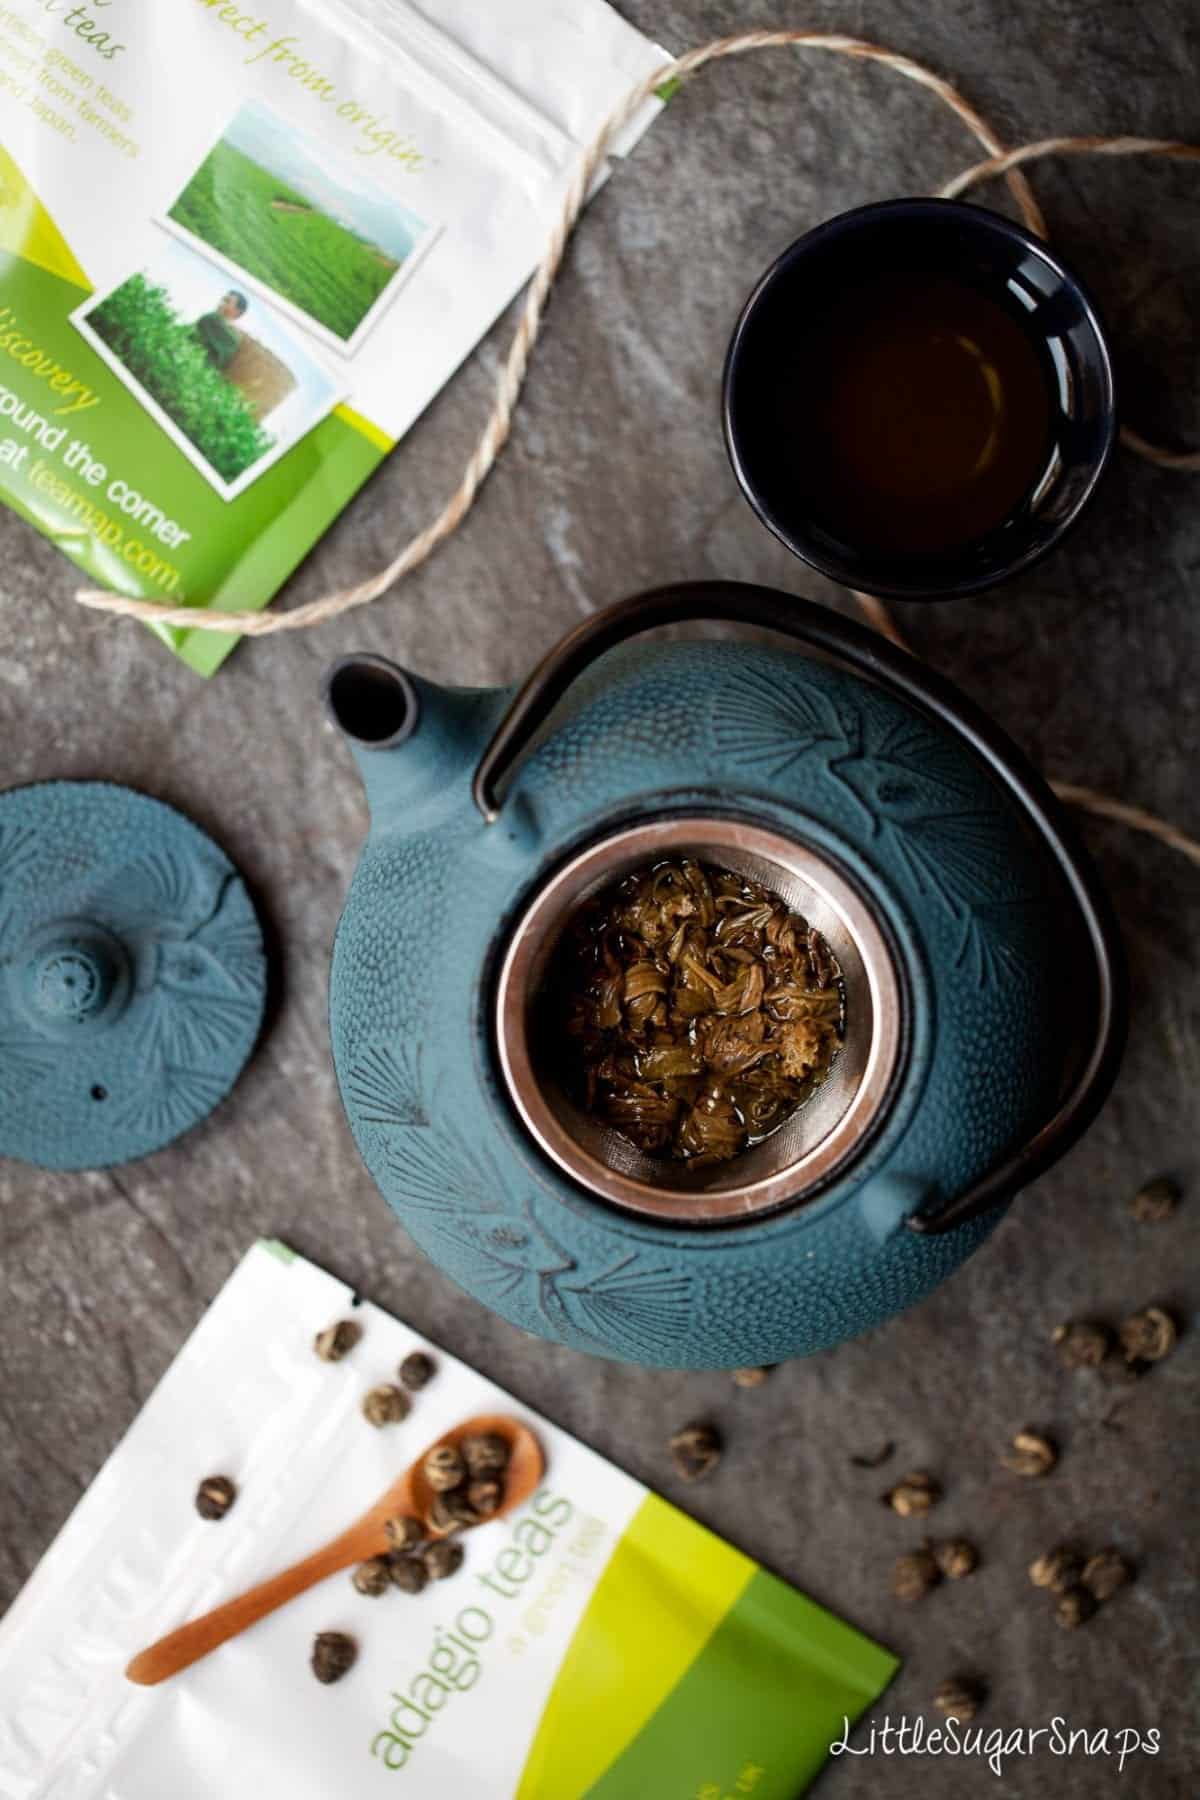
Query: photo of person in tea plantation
262, 379
216, 329
228, 380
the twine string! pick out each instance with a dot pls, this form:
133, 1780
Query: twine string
1136, 817
1008, 163
1004, 162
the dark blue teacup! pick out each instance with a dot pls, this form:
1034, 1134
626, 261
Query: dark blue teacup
918, 399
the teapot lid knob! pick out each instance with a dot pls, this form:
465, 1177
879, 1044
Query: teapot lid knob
74, 978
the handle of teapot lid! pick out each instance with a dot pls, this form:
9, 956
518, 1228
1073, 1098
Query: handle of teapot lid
880, 661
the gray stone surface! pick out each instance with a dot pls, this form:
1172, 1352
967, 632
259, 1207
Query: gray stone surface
616, 479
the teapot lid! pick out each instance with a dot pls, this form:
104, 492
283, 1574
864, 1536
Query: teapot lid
132, 974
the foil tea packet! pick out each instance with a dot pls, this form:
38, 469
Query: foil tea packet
595, 1642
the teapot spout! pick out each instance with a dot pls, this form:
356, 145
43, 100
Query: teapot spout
412, 740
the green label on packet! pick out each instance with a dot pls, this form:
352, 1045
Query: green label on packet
695, 1673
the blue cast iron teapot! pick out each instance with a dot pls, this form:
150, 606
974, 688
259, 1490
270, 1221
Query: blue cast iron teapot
984, 1010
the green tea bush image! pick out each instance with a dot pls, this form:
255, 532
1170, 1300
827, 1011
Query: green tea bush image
269, 229
162, 352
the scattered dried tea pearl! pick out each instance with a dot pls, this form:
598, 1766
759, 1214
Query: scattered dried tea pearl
403, 1532
956, 1558
1074, 1608
750, 1378
337, 1340
1106, 1573
484, 1496
1148, 1336
444, 1468
457, 1503
1156, 1201
1082, 1345
373, 1577
1058, 1569
385, 1405
918, 1493
485, 1453
445, 1518
959, 1698
332, 1655
408, 1573
695, 1450
416, 1370
214, 1497
451, 1512
442, 1559
913, 1575
1031, 1454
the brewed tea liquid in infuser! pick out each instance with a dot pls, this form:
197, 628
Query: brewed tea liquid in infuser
918, 413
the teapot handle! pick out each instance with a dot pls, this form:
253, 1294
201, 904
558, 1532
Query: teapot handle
882, 662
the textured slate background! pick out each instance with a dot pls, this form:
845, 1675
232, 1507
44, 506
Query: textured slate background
616, 479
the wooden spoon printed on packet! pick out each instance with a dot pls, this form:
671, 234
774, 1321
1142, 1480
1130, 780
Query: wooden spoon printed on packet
410, 1495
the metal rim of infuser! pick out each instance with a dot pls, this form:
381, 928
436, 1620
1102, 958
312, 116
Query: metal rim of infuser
803, 1153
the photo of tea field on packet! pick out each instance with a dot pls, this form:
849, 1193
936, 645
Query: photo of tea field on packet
310, 230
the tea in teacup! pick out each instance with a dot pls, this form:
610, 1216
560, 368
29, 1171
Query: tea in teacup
914, 413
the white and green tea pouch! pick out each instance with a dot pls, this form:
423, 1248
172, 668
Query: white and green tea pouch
596, 1642
243, 243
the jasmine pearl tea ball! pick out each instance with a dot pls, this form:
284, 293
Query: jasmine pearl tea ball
444, 1468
